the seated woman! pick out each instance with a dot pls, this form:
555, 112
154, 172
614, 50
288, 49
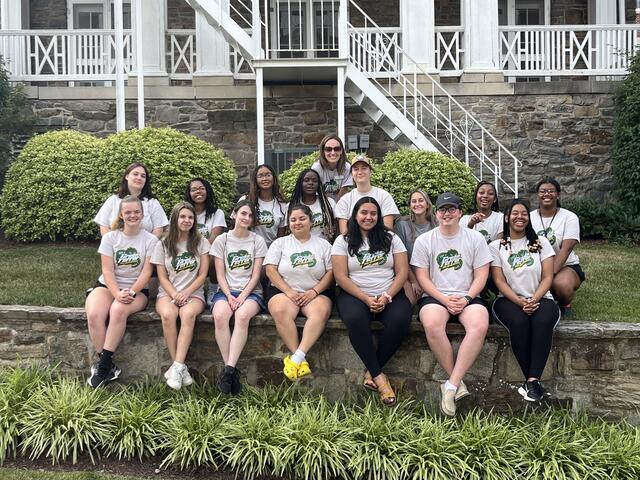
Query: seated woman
420, 220
487, 218
121, 290
333, 168
182, 261
522, 269
562, 228
299, 267
370, 265
238, 255
137, 182
210, 219
308, 191
268, 201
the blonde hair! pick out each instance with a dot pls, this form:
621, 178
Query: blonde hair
118, 222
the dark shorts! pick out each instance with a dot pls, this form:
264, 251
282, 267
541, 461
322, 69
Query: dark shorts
452, 318
578, 269
273, 291
219, 295
144, 291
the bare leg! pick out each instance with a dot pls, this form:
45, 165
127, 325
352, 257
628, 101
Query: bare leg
222, 314
242, 316
434, 319
317, 313
564, 286
475, 320
284, 313
97, 306
118, 315
188, 314
169, 315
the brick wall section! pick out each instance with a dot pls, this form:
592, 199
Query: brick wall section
48, 14
593, 366
180, 15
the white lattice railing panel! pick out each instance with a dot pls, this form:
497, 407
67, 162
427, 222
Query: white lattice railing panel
449, 52
181, 54
386, 45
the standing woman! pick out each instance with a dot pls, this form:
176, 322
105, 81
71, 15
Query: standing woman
182, 261
370, 265
522, 269
308, 191
267, 198
333, 168
562, 228
121, 290
137, 182
420, 220
299, 267
238, 255
487, 218
209, 218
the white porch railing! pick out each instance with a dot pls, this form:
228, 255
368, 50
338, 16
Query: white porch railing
567, 49
63, 55
385, 42
449, 52
181, 54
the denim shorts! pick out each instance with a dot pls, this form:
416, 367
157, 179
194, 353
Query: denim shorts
219, 295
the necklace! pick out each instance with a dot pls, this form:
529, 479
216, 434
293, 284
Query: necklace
544, 228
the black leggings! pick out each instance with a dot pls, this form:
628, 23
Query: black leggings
531, 335
396, 318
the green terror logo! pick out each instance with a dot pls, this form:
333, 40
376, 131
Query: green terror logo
204, 231
520, 259
303, 259
317, 220
239, 259
127, 258
549, 234
331, 186
487, 237
366, 258
449, 260
185, 262
265, 218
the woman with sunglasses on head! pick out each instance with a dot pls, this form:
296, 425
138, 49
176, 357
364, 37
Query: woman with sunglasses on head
333, 168
420, 220
487, 218
182, 262
210, 220
137, 182
267, 198
308, 191
562, 228
238, 255
370, 265
522, 269
299, 267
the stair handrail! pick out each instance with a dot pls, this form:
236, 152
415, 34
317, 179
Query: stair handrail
421, 100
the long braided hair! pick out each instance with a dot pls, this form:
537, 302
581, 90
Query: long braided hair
328, 220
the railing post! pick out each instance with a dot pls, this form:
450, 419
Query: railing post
343, 35
256, 27
139, 63
119, 44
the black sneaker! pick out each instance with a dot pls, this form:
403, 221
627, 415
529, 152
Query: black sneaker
543, 391
114, 373
225, 381
96, 379
534, 392
236, 386
523, 390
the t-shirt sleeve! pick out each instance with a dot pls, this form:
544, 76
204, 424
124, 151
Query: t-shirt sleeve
494, 248
203, 247
547, 250
217, 248
399, 229
150, 243
106, 215
157, 257
389, 206
106, 245
218, 219
326, 255
340, 246
158, 217
332, 204
572, 227
347, 180
464, 221
482, 254
274, 254
283, 220
342, 208
396, 245
261, 247
420, 255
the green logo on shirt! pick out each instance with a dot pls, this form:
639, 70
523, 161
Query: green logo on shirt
239, 259
185, 262
265, 218
331, 186
204, 231
318, 220
449, 260
303, 259
549, 234
520, 259
366, 258
127, 258
487, 237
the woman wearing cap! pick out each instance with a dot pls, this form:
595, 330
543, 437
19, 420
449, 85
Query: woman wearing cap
562, 228
333, 168
361, 172
452, 266
487, 218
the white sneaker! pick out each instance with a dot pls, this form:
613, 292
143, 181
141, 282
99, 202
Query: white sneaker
186, 377
448, 401
175, 378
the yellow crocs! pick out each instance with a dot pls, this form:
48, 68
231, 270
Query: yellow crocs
290, 369
304, 369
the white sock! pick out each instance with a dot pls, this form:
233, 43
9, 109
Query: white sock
178, 365
298, 357
450, 386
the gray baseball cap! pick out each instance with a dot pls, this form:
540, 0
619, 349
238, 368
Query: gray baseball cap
448, 198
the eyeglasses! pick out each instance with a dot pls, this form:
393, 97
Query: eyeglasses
264, 175
444, 210
337, 149
544, 191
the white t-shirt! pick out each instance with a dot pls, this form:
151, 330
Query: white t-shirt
272, 215
564, 225
301, 264
372, 272
183, 269
332, 180
490, 227
154, 216
238, 255
128, 254
317, 222
215, 220
344, 207
451, 260
521, 268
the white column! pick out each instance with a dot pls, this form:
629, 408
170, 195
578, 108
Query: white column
260, 115
10, 15
153, 36
480, 20
120, 101
604, 13
340, 103
417, 20
212, 50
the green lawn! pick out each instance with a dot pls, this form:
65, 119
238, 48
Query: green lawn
58, 275
15, 474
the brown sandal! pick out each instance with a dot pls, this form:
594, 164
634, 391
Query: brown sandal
368, 382
387, 395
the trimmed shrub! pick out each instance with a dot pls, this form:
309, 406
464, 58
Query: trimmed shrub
607, 220
60, 180
406, 170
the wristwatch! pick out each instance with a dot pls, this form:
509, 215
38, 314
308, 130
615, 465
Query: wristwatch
133, 294
468, 299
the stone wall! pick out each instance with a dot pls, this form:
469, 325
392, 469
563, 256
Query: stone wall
48, 14
180, 15
593, 366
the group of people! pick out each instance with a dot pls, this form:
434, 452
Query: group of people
286, 257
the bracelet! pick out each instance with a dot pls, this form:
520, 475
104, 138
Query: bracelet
387, 296
313, 288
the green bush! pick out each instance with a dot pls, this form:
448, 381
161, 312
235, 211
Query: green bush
626, 138
605, 220
60, 180
405, 170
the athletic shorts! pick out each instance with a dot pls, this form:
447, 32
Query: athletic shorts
452, 318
